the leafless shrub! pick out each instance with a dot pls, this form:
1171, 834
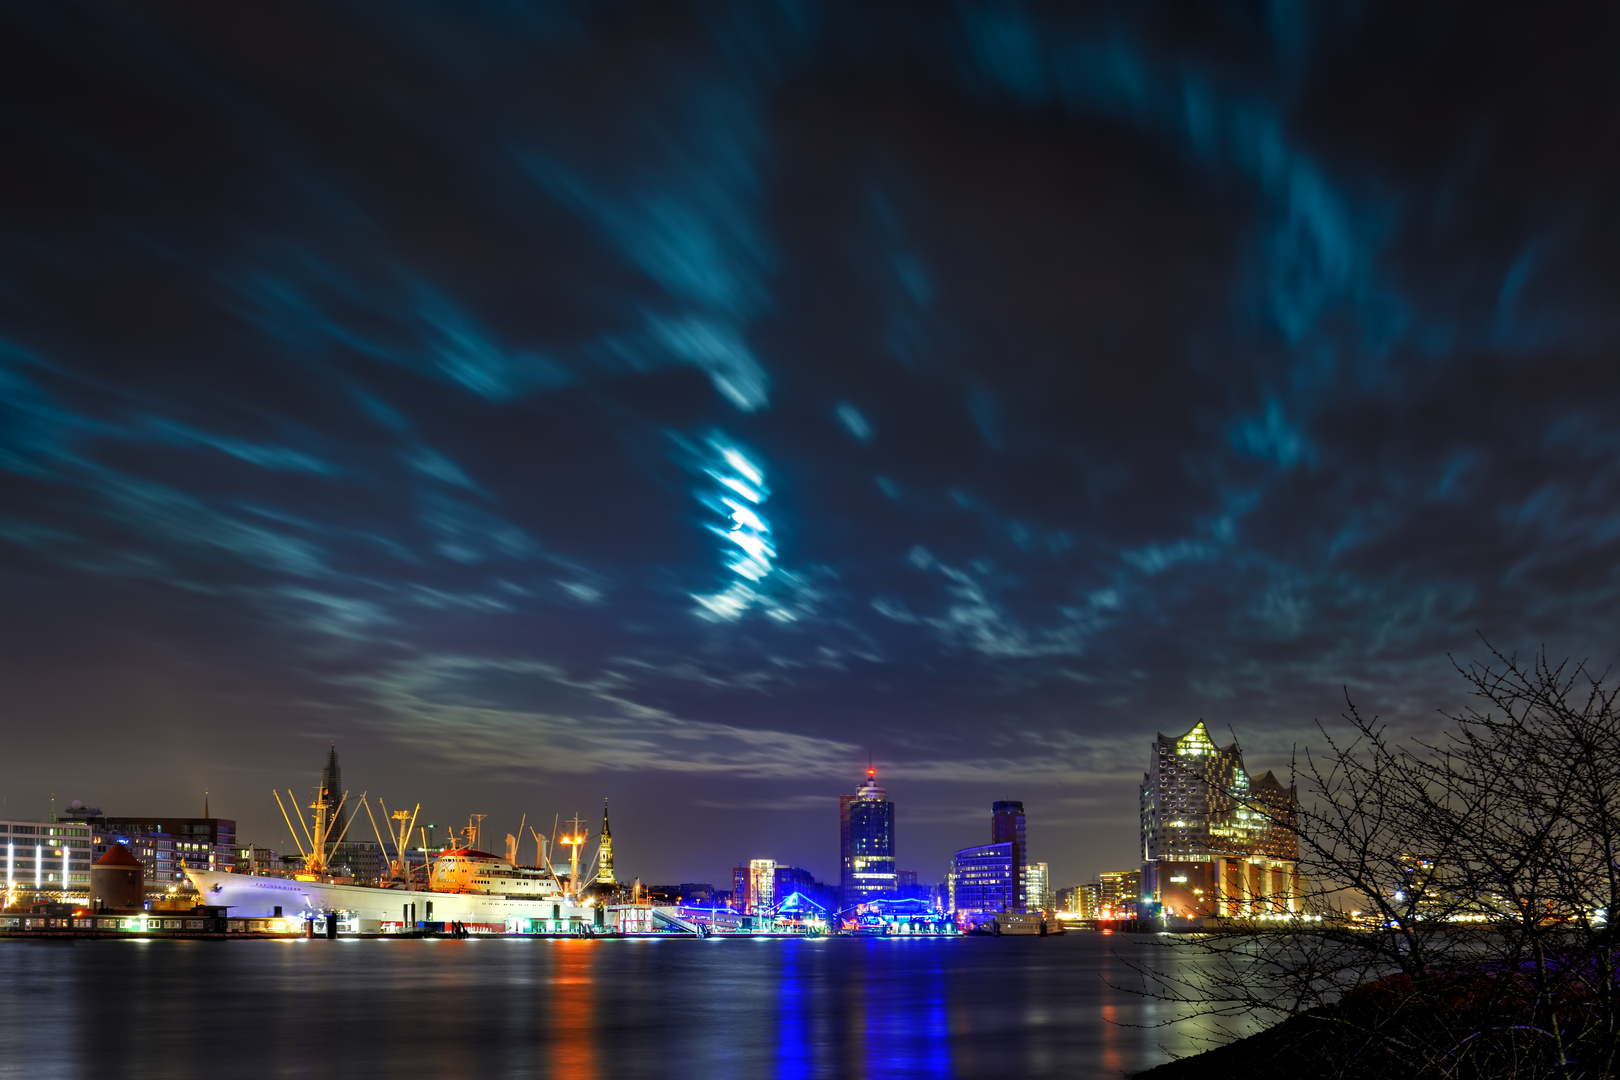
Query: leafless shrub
1464, 888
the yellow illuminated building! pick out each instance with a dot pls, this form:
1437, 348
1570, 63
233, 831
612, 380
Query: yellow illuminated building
1216, 841
604, 852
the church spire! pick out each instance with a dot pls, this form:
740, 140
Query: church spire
604, 857
332, 792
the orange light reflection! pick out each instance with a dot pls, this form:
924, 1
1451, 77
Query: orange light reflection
572, 1026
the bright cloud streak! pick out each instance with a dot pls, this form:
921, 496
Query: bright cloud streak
744, 527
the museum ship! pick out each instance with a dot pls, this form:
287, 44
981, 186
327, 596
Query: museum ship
465, 885
462, 884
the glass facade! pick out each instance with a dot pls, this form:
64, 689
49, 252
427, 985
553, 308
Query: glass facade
41, 857
1037, 892
866, 843
1197, 800
1216, 841
761, 887
984, 878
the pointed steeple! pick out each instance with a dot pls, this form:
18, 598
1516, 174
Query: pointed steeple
604, 857
332, 791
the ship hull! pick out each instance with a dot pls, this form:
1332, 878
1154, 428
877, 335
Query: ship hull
259, 897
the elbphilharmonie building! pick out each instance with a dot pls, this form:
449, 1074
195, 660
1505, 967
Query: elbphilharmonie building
1216, 842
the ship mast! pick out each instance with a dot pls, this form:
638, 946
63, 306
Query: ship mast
398, 835
575, 841
315, 862
316, 855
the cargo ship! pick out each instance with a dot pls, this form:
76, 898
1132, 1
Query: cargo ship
474, 888
462, 886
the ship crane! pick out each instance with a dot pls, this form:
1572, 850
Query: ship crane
399, 836
318, 853
575, 840
465, 883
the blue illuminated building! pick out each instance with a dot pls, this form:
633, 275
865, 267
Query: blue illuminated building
985, 878
799, 910
902, 916
866, 843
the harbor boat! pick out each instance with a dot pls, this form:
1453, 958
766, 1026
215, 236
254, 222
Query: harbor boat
1007, 923
463, 885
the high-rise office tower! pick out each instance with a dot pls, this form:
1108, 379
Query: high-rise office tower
604, 857
1037, 891
1007, 827
866, 842
1086, 900
981, 879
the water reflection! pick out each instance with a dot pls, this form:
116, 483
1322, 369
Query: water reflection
1110, 1039
793, 1044
573, 1009
851, 1049
582, 1009
906, 1031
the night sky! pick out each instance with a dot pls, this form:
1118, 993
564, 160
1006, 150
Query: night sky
682, 403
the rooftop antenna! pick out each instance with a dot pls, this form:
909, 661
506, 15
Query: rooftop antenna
205, 802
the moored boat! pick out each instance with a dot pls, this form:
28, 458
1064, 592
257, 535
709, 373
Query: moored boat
469, 886
464, 888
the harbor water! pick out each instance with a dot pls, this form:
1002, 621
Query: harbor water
582, 1009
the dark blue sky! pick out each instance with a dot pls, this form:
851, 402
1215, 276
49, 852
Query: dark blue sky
679, 403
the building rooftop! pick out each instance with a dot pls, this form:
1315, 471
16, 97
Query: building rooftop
118, 855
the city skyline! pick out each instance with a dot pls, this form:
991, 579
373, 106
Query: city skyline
1215, 841
685, 404
1059, 536
866, 844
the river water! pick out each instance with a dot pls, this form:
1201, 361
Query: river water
581, 1009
